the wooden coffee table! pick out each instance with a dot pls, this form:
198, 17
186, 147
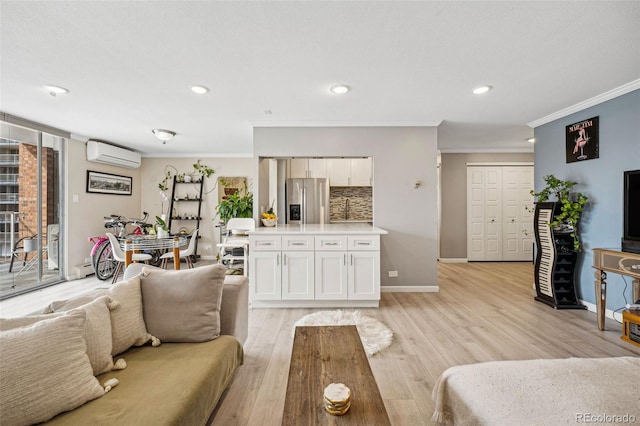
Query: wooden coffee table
331, 354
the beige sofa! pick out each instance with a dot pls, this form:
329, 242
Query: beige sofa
176, 382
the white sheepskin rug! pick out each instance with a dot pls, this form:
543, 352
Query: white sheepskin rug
375, 335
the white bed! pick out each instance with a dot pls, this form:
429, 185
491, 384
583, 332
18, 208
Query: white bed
540, 392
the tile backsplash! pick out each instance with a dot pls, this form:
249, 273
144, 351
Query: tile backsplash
358, 198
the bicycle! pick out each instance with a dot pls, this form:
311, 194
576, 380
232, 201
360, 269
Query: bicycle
102, 261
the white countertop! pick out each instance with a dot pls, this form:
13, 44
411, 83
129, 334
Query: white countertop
328, 228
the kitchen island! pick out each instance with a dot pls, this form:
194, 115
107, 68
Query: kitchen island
315, 265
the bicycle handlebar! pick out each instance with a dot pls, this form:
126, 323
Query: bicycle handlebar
123, 220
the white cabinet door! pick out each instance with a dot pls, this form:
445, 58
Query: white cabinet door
331, 275
265, 276
317, 168
361, 172
339, 171
297, 275
364, 275
298, 167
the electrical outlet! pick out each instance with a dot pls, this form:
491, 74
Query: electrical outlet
393, 274
207, 248
87, 260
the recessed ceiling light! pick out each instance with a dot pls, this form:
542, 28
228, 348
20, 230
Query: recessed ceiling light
268, 112
56, 90
531, 140
340, 89
481, 90
200, 90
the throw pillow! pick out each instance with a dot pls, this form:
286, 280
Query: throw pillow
45, 370
127, 323
184, 305
97, 331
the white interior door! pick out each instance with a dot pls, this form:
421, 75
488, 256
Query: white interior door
518, 219
484, 213
499, 213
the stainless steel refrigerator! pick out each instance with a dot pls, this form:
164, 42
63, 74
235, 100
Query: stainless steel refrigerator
307, 201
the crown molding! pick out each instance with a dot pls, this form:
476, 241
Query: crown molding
528, 150
271, 123
196, 155
614, 93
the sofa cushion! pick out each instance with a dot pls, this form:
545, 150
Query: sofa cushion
183, 305
97, 331
45, 370
174, 384
127, 323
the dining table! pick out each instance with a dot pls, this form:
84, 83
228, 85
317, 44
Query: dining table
139, 243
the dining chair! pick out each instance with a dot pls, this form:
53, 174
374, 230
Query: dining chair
236, 240
184, 254
118, 256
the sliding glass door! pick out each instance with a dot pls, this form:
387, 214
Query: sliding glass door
30, 209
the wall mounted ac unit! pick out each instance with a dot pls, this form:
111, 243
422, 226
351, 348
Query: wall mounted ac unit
101, 152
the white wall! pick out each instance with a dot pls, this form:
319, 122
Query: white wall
84, 217
153, 171
401, 155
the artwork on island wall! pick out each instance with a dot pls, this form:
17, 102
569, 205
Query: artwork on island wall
107, 183
582, 140
231, 185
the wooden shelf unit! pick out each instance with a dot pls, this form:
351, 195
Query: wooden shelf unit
178, 197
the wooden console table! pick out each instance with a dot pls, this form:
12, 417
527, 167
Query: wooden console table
619, 262
331, 354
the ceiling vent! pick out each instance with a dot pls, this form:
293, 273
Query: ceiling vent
100, 152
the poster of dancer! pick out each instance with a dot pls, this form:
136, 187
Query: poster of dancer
582, 140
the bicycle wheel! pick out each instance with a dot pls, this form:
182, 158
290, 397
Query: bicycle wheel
105, 263
96, 252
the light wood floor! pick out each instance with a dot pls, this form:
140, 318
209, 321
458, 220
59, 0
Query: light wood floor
483, 312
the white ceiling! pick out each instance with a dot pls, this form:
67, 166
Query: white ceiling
129, 65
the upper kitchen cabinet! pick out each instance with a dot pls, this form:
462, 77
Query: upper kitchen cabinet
349, 172
307, 168
361, 172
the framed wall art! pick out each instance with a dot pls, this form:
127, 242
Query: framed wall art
231, 185
582, 139
107, 183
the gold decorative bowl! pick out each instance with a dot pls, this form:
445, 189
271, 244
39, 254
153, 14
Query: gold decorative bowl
269, 222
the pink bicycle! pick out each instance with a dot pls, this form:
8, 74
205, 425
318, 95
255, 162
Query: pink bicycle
102, 261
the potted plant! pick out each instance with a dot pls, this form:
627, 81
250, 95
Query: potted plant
571, 205
163, 229
235, 205
202, 169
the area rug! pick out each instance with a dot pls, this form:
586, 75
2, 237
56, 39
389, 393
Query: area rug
375, 335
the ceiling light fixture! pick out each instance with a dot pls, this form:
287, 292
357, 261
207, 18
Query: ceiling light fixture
163, 135
200, 90
481, 90
531, 140
340, 89
55, 90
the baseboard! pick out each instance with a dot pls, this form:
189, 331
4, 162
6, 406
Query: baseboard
410, 289
591, 307
208, 257
452, 260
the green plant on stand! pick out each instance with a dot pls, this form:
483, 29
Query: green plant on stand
572, 204
235, 205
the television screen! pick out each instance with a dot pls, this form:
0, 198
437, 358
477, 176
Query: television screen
632, 205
